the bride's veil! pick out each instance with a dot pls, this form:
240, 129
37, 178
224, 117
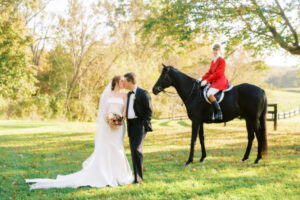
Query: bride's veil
102, 104
100, 124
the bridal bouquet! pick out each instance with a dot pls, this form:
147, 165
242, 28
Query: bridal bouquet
114, 120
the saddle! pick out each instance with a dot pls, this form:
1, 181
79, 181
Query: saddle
219, 96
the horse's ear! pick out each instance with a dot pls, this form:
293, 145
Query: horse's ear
164, 65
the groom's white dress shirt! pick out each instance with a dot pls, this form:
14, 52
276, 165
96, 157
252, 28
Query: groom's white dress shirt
131, 113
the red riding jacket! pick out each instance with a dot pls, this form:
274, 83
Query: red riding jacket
216, 75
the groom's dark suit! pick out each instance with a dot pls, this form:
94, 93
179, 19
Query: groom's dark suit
138, 127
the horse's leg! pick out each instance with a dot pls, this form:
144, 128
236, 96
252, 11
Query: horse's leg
250, 131
258, 132
201, 136
195, 128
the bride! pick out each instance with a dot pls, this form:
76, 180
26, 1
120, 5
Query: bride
108, 164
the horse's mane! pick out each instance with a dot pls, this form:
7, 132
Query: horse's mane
177, 71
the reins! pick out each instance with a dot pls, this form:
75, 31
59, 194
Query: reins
175, 94
190, 93
170, 94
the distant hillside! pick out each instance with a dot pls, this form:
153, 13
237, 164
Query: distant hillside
284, 78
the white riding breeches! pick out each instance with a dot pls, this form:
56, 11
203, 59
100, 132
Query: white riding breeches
212, 91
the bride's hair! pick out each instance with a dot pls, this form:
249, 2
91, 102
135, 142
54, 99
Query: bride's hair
114, 81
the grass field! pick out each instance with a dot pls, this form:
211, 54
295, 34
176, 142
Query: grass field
287, 99
45, 149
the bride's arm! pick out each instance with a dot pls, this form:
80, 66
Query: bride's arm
125, 105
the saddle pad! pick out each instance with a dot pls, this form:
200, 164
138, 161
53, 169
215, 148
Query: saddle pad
219, 96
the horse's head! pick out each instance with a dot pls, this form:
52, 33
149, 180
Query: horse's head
164, 81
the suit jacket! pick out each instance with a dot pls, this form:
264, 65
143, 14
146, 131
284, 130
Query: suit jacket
143, 108
216, 75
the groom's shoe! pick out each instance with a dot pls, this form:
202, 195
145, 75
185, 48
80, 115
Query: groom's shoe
136, 183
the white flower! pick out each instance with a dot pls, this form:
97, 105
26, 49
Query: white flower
110, 115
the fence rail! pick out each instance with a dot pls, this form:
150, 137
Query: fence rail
272, 115
289, 114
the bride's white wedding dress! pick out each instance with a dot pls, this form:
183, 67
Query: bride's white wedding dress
108, 164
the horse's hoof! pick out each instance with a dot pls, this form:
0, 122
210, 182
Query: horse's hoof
257, 159
201, 160
188, 163
244, 159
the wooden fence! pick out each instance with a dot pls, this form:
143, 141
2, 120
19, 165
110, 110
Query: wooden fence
289, 114
272, 115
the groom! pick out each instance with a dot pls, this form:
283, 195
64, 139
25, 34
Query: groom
139, 113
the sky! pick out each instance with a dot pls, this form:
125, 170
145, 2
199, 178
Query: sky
282, 59
279, 58
57, 6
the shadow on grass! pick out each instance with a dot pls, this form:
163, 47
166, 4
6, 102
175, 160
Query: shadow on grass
40, 136
183, 123
22, 126
166, 123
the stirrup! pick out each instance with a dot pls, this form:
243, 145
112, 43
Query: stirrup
221, 117
214, 118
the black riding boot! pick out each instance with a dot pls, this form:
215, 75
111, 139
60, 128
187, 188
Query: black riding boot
217, 110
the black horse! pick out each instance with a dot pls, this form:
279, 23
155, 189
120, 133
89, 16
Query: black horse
244, 101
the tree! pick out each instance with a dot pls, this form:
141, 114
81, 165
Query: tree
79, 34
256, 24
37, 22
16, 70
248, 69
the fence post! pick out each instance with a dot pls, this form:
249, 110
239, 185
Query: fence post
275, 117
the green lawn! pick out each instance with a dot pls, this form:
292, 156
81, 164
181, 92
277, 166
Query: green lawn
44, 149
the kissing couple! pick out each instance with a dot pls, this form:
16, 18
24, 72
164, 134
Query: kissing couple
108, 164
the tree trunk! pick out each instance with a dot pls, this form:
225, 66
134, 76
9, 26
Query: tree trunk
72, 85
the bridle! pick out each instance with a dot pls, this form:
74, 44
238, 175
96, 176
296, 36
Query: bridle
167, 77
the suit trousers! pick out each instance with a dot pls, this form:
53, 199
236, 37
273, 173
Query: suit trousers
136, 133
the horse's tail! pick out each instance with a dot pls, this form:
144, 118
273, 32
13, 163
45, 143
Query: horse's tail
263, 129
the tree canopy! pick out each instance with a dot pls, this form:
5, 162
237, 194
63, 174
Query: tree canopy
255, 24
16, 71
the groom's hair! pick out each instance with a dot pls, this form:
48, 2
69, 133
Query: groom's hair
130, 77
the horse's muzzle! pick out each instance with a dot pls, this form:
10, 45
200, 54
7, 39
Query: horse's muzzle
156, 89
